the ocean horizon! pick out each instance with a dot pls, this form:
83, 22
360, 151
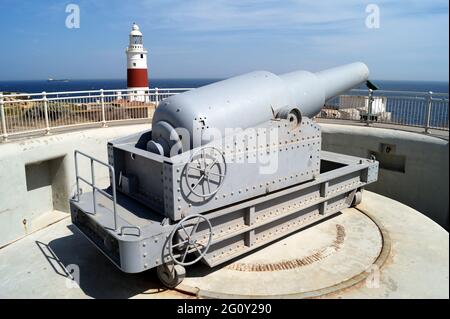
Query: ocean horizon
37, 86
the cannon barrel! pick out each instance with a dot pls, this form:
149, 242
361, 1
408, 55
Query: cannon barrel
248, 100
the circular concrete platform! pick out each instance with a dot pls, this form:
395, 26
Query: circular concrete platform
381, 249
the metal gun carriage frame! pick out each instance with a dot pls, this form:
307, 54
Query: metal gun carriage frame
211, 204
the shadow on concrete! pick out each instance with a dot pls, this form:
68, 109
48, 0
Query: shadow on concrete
98, 277
202, 270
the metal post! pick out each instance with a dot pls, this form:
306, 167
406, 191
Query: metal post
47, 125
75, 153
156, 97
102, 99
94, 202
369, 107
3, 118
114, 198
429, 102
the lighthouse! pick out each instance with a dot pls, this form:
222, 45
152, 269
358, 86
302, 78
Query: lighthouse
137, 76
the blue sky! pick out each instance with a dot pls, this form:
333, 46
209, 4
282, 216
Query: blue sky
215, 39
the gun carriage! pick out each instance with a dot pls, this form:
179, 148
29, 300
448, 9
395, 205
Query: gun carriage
225, 169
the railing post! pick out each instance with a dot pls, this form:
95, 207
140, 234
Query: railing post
47, 124
114, 198
77, 180
429, 102
369, 107
156, 97
102, 100
3, 118
94, 201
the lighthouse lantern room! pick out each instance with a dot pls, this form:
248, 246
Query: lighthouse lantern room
137, 76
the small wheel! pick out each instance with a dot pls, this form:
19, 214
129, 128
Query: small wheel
357, 199
171, 275
190, 240
205, 171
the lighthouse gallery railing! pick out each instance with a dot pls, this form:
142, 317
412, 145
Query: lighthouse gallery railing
37, 113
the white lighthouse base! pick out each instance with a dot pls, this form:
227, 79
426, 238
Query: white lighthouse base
139, 95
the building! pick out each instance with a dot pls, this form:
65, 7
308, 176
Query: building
137, 75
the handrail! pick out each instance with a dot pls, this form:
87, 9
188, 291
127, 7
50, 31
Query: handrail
94, 187
45, 112
72, 93
93, 93
400, 92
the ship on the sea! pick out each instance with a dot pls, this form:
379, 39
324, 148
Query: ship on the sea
57, 80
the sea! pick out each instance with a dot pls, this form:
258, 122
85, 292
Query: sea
37, 86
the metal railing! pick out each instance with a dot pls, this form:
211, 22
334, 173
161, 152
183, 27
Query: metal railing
96, 189
37, 113
425, 110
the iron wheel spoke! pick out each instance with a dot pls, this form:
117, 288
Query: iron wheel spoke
186, 232
196, 168
209, 185
202, 156
200, 244
179, 244
199, 163
196, 248
216, 174
194, 229
200, 179
212, 164
217, 183
185, 254
203, 188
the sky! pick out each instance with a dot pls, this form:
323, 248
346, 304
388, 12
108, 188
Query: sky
222, 38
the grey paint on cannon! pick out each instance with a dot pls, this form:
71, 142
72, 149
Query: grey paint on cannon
340, 79
248, 100
237, 228
245, 187
162, 183
309, 91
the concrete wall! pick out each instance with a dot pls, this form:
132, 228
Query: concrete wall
414, 167
37, 176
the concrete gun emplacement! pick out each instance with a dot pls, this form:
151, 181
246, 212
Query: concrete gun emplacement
225, 169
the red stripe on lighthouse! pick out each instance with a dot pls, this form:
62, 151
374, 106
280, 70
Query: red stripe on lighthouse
137, 78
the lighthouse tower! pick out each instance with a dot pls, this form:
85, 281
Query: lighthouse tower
137, 76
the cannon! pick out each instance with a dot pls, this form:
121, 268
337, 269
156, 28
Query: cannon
225, 169
247, 101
